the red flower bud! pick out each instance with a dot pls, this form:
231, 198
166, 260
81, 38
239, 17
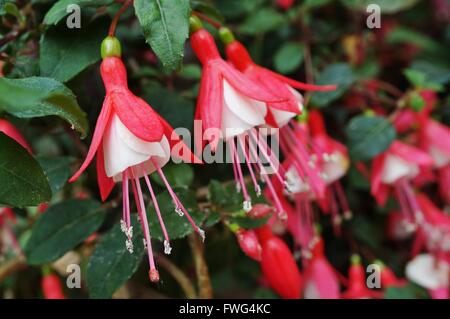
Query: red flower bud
285, 4
357, 288
260, 211
389, 279
279, 267
52, 287
248, 241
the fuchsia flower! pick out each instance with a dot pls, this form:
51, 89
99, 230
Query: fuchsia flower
249, 243
320, 279
232, 106
431, 273
434, 229
357, 288
388, 277
395, 168
278, 265
132, 141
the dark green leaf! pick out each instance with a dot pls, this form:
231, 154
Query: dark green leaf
59, 9
177, 226
111, 264
57, 170
61, 228
66, 52
368, 136
22, 181
262, 21
165, 24
339, 74
247, 222
178, 175
410, 291
386, 6
40, 96
288, 57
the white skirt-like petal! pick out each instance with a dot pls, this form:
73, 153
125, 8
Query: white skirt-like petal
283, 117
122, 149
240, 113
396, 168
441, 158
427, 272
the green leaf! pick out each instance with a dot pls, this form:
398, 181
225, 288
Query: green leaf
386, 6
61, 228
368, 136
178, 175
22, 181
247, 222
409, 36
224, 197
165, 24
236, 8
415, 77
66, 52
177, 226
59, 9
262, 21
191, 72
434, 72
289, 57
208, 9
57, 170
339, 74
40, 96
410, 291
111, 265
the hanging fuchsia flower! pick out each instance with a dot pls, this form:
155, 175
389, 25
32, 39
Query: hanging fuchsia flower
395, 168
320, 279
249, 243
357, 288
131, 141
434, 229
278, 114
11, 131
388, 277
333, 160
431, 273
231, 106
279, 266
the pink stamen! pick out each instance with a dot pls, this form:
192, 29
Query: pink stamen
271, 160
177, 202
167, 248
241, 142
239, 170
126, 199
143, 216
279, 207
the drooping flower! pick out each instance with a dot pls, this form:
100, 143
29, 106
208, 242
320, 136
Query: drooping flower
285, 4
249, 243
357, 288
388, 277
231, 106
131, 141
431, 273
52, 287
279, 266
320, 279
395, 168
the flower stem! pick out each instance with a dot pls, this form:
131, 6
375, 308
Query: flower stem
112, 27
184, 282
207, 19
204, 282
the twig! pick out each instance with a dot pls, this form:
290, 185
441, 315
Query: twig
184, 282
11, 267
112, 28
204, 282
207, 19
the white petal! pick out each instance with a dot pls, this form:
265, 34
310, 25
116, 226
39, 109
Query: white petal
247, 109
425, 271
396, 168
336, 167
281, 117
232, 125
122, 149
441, 158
